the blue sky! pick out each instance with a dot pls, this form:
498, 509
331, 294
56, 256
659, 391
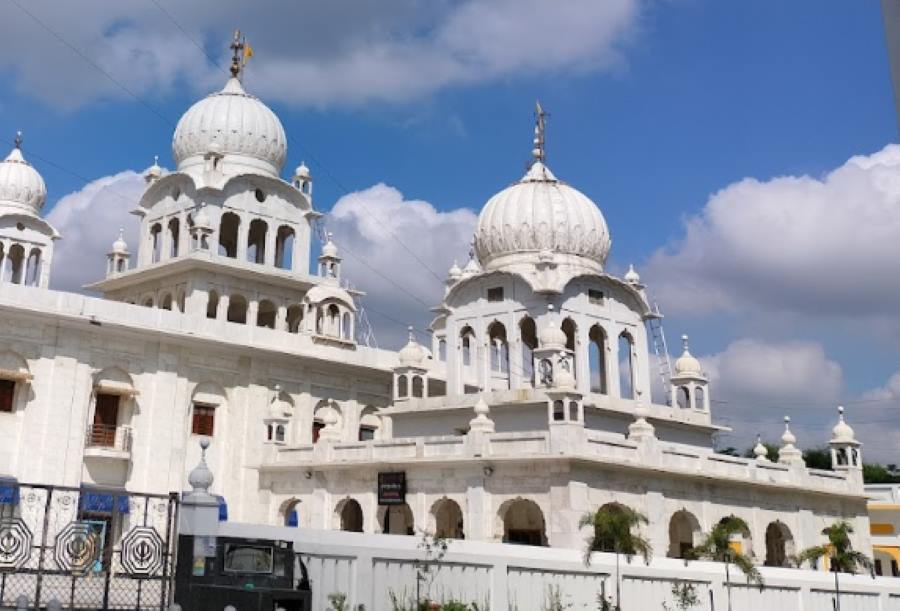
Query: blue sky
683, 99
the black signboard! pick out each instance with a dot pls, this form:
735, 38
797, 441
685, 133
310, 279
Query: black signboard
392, 488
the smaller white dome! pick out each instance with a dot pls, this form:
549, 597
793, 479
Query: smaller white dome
686, 364
412, 354
552, 335
760, 451
455, 272
322, 292
302, 171
119, 247
330, 249
631, 276
788, 438
201, 220
472, 267
154, 172
563, 378
21, 186
842, 432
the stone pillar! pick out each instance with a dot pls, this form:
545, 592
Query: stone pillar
271, 235
222, 310
281, 318
252, 312
612, 362
243, 231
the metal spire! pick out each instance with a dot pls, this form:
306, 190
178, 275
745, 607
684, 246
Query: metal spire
237, 47
539, 123
18, 140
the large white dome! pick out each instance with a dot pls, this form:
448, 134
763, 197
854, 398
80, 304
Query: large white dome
540, 219
21, 187
237, 126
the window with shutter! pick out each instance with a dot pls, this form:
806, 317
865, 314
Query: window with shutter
204, 419
7, 392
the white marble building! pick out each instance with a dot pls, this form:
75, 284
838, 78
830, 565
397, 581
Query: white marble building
532, 405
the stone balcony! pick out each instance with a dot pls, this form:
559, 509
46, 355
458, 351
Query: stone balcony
569, 442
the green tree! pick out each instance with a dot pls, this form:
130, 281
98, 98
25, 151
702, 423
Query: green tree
878, 474
818, 458
841, 556
716, 546
614, 531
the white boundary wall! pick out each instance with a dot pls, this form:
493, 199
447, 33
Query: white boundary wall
508, 577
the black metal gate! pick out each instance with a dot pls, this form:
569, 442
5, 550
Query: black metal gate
88, 548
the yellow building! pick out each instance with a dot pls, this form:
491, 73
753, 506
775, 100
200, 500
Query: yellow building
884, 519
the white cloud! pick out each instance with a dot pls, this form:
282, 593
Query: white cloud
887, 393
308, 52
360, 222
89, 221
797, 244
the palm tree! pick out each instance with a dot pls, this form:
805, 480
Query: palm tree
717, 546
613, 532
840, 553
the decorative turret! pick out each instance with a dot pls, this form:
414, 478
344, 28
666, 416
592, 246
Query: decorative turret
689, 387
481, 423
788, 453
329, 261
760, 451
154, 172
276, 418
845, 453
201, 478
453, 276
302, 181
201, 230
411, 373
118, 257
553, 362
632, 277
640, 429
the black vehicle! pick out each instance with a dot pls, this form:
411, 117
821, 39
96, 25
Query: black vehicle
249, 574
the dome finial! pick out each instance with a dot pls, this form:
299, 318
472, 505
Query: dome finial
237, 47
684, 343
18, 140
539, 118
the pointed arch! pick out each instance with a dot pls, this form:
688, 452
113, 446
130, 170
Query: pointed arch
448, 519
597, 360
528, 337
256, 241
779, 544
174, 227
626, 365
349, 515
522, 522
499, 353
229, 227
284, 247
684, 529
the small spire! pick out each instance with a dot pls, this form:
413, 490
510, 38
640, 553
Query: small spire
684, 343
539, 119
412, 334
237, 47
18, 140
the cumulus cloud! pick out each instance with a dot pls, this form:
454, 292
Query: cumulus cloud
89, 221
824, 246
887, 393
376, 229
307, 52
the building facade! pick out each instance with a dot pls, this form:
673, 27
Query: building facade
531, 407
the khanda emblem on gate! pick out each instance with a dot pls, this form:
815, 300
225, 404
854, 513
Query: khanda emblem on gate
15, 544
77, 548
143, 552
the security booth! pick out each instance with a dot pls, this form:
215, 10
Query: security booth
248, 574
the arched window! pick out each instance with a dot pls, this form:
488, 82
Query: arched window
683, 531
291, 513
571, 330
279, 433
397, 520
597, 360
741, 541
684, 397
467, 343
369, 423
294, 318
321, 414
626, 366
166, 302
148, 302
402, 387
334, 317
237, 309
284, 247
350, 515
442, 350
174, 236
208, 398
779, 544
256, 241
700, 397
448, 519
523, 523
608, 545
229, 227
347, 326
528, 335
155, 242
499, 351
559, 411
33, 268
212, 305
265, 314
418, 387
17, 264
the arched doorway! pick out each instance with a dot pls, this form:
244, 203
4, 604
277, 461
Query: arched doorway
290, 513
397, 520
351, 516
779, 544
683, 531
448, 519
523, 523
